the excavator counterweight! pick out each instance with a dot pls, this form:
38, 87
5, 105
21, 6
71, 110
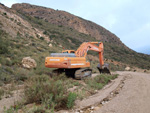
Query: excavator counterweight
74, 63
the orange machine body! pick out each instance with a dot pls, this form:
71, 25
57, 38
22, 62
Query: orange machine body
70, 60
66, 62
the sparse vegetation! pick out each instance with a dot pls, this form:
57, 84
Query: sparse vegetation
43, 90
99, 81
12, 51
52, 92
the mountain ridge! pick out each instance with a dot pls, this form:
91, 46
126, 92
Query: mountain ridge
64, 18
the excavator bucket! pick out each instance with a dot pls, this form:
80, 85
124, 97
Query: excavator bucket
104, 68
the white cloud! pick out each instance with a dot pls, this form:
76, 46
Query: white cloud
8, 3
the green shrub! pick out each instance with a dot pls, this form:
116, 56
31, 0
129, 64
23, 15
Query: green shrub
4, 13
41, 69
94, 84
22, 74
42, 38
8, 62
3, 47
5, 77
99, 81
10, 110
43, 90
45, 32
1, 93
71, 100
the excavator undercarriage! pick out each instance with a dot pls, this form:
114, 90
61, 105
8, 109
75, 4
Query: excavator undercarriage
78, 73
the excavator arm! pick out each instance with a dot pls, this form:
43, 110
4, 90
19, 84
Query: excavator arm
86, 46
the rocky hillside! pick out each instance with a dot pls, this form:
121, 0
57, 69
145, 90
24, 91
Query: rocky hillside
63, 18
14, 25
44, 30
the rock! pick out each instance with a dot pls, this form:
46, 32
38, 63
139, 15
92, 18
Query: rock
96, 108
60, 45
26, 45
0, 65
106, 102
8, 59
72, 89
28, 63
77, 112
111, 93
50, 45
127, 68
103, 102
96, 91
92, 107
81, 111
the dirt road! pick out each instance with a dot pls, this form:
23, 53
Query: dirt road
134, 96
131, 96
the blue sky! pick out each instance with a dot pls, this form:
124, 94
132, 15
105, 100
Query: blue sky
128, 19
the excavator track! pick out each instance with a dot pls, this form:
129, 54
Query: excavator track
79, 73
82, 73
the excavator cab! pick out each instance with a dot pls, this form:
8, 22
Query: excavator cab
68, 51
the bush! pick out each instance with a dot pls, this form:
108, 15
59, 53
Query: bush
99, 81
22, 74
3, 47
71, 100
1, 93
4, 13
42, 38
45, 32
5, 78
44, 90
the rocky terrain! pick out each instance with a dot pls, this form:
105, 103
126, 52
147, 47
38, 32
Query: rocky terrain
66, 19
13, 24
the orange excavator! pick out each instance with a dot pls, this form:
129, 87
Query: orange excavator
74, 63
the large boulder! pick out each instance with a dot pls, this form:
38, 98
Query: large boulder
28, 63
